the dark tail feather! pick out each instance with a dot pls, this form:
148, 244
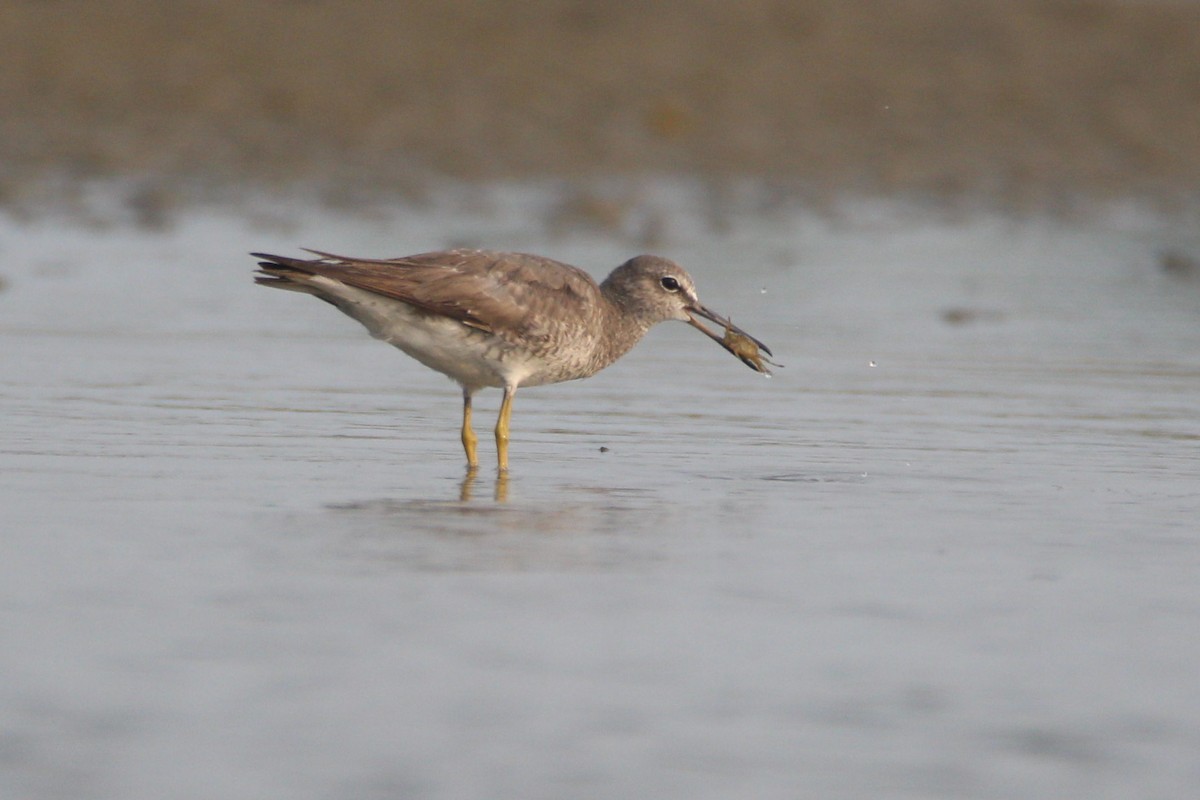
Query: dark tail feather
282, 272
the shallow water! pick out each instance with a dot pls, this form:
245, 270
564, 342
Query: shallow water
950, 550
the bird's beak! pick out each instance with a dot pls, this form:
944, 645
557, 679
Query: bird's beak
734, 339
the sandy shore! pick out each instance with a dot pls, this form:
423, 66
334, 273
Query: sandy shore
1021, 101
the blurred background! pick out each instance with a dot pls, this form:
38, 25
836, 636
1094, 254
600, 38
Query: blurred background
1024, 103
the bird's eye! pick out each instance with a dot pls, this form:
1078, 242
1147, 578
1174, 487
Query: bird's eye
670, 284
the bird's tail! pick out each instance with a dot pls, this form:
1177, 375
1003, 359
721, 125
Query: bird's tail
282, 272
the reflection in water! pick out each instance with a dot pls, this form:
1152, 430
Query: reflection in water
467, 487
581, 528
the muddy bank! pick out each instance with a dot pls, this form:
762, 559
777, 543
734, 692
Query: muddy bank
1023, 101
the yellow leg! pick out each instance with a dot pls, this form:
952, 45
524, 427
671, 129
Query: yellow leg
502, 427
469, 439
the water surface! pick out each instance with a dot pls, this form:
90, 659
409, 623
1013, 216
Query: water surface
950, 550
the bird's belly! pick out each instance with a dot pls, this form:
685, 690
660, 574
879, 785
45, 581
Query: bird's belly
473, 358
476, 359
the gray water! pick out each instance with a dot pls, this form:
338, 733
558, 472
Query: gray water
950, 550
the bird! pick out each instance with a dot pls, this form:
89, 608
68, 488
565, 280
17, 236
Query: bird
505, 320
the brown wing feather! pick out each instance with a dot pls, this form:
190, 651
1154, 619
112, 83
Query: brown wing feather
498, 292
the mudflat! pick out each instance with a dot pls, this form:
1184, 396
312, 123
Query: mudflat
1020, 100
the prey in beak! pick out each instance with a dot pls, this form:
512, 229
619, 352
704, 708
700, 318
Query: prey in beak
734, 339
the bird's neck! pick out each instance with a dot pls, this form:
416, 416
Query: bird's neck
622, 329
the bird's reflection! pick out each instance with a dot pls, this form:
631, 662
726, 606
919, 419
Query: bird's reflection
452, 523
467, 487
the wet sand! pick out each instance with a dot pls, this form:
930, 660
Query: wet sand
1023, 102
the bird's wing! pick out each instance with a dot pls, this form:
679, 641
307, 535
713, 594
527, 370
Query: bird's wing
502, 293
